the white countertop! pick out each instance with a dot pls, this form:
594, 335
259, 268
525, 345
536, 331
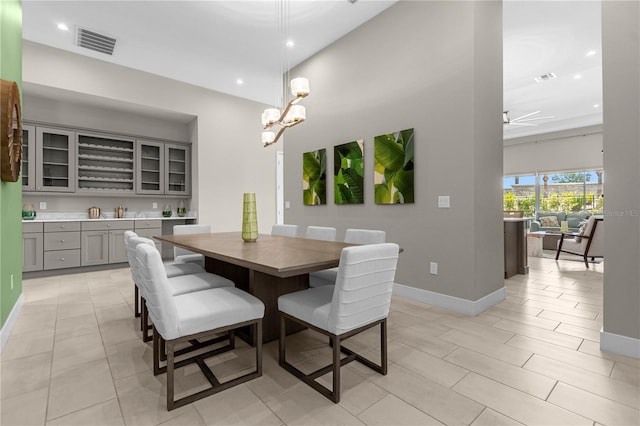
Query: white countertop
75, 217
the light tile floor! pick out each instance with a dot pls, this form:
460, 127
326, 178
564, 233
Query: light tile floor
75, 357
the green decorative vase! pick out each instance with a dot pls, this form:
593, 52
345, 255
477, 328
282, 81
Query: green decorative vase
249, 217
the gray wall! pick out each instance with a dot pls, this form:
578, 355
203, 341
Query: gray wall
435, 67
621, 133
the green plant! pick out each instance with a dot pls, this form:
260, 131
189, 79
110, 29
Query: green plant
348, 168
393, 170
314, 177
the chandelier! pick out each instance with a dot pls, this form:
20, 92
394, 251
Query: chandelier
274, 121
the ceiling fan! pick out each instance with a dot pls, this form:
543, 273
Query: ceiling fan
523, 120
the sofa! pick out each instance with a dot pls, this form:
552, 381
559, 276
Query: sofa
574, 220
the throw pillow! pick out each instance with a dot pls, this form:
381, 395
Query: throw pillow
582, 230
548, 221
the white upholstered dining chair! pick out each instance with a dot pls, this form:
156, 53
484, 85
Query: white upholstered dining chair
181, 255
325, 233
354, 236
172, 269
181, 279
284, 230
360, 300
182, 318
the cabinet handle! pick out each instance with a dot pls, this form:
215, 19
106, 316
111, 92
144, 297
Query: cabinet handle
62, 226
62, 259
62, 241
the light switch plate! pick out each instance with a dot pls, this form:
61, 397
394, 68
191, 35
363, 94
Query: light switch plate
444, 201
43, 205
287, 204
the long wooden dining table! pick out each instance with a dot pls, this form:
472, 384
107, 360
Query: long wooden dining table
267, 268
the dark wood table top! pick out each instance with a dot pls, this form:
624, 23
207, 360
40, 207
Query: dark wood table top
272, 254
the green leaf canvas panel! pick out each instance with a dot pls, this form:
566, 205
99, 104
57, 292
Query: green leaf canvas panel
314, 177
348, 173
393, 167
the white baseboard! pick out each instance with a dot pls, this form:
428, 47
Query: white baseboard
456, 304
7, 328
618, 344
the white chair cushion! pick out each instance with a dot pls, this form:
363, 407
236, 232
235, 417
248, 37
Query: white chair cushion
188, 229
195, 258
178, 269
312, 305
320, 233
215, 308
197, 282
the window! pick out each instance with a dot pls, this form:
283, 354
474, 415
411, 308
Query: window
570, 191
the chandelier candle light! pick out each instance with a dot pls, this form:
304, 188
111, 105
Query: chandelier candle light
293, 114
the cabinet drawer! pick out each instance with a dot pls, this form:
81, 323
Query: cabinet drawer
107, 225
61, 226
61, 240
150, 223
31, 227
61, 259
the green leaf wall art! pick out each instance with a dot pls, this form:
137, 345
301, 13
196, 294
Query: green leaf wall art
348, 168
314, 177
393, 167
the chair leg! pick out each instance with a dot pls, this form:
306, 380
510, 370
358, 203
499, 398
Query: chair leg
383, 347
283, 336
335, 394
170, 370
559, 246
144, 321
586, 261
156, 353
136, 302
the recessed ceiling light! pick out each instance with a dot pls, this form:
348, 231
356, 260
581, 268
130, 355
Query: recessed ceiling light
577, 77
290, 43
545, 77
239, 82
63, 27
591, 53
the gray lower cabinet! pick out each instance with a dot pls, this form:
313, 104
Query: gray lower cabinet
149, 229
32, 247
61, 245
103, 241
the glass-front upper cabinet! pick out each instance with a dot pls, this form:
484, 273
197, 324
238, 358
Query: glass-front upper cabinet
55, 160
28, 167
178, 169
150, 167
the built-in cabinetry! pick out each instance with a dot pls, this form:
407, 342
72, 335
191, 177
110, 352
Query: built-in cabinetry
32, 247
61, 245
163, 168
103, 242
75, 160
105, 164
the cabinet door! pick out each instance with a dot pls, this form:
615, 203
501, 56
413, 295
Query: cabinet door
150, 167
117, 249
55, 157
95, 248
32, 252
178, 169
28, 167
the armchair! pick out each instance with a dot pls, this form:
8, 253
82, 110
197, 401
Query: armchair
588, 245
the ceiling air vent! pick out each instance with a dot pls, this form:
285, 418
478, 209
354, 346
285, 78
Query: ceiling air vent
95, 41
545, 77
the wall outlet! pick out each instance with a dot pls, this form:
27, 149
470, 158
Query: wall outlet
43, 205
11, 281
444, 202
433, 268
155, 205
287, 204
